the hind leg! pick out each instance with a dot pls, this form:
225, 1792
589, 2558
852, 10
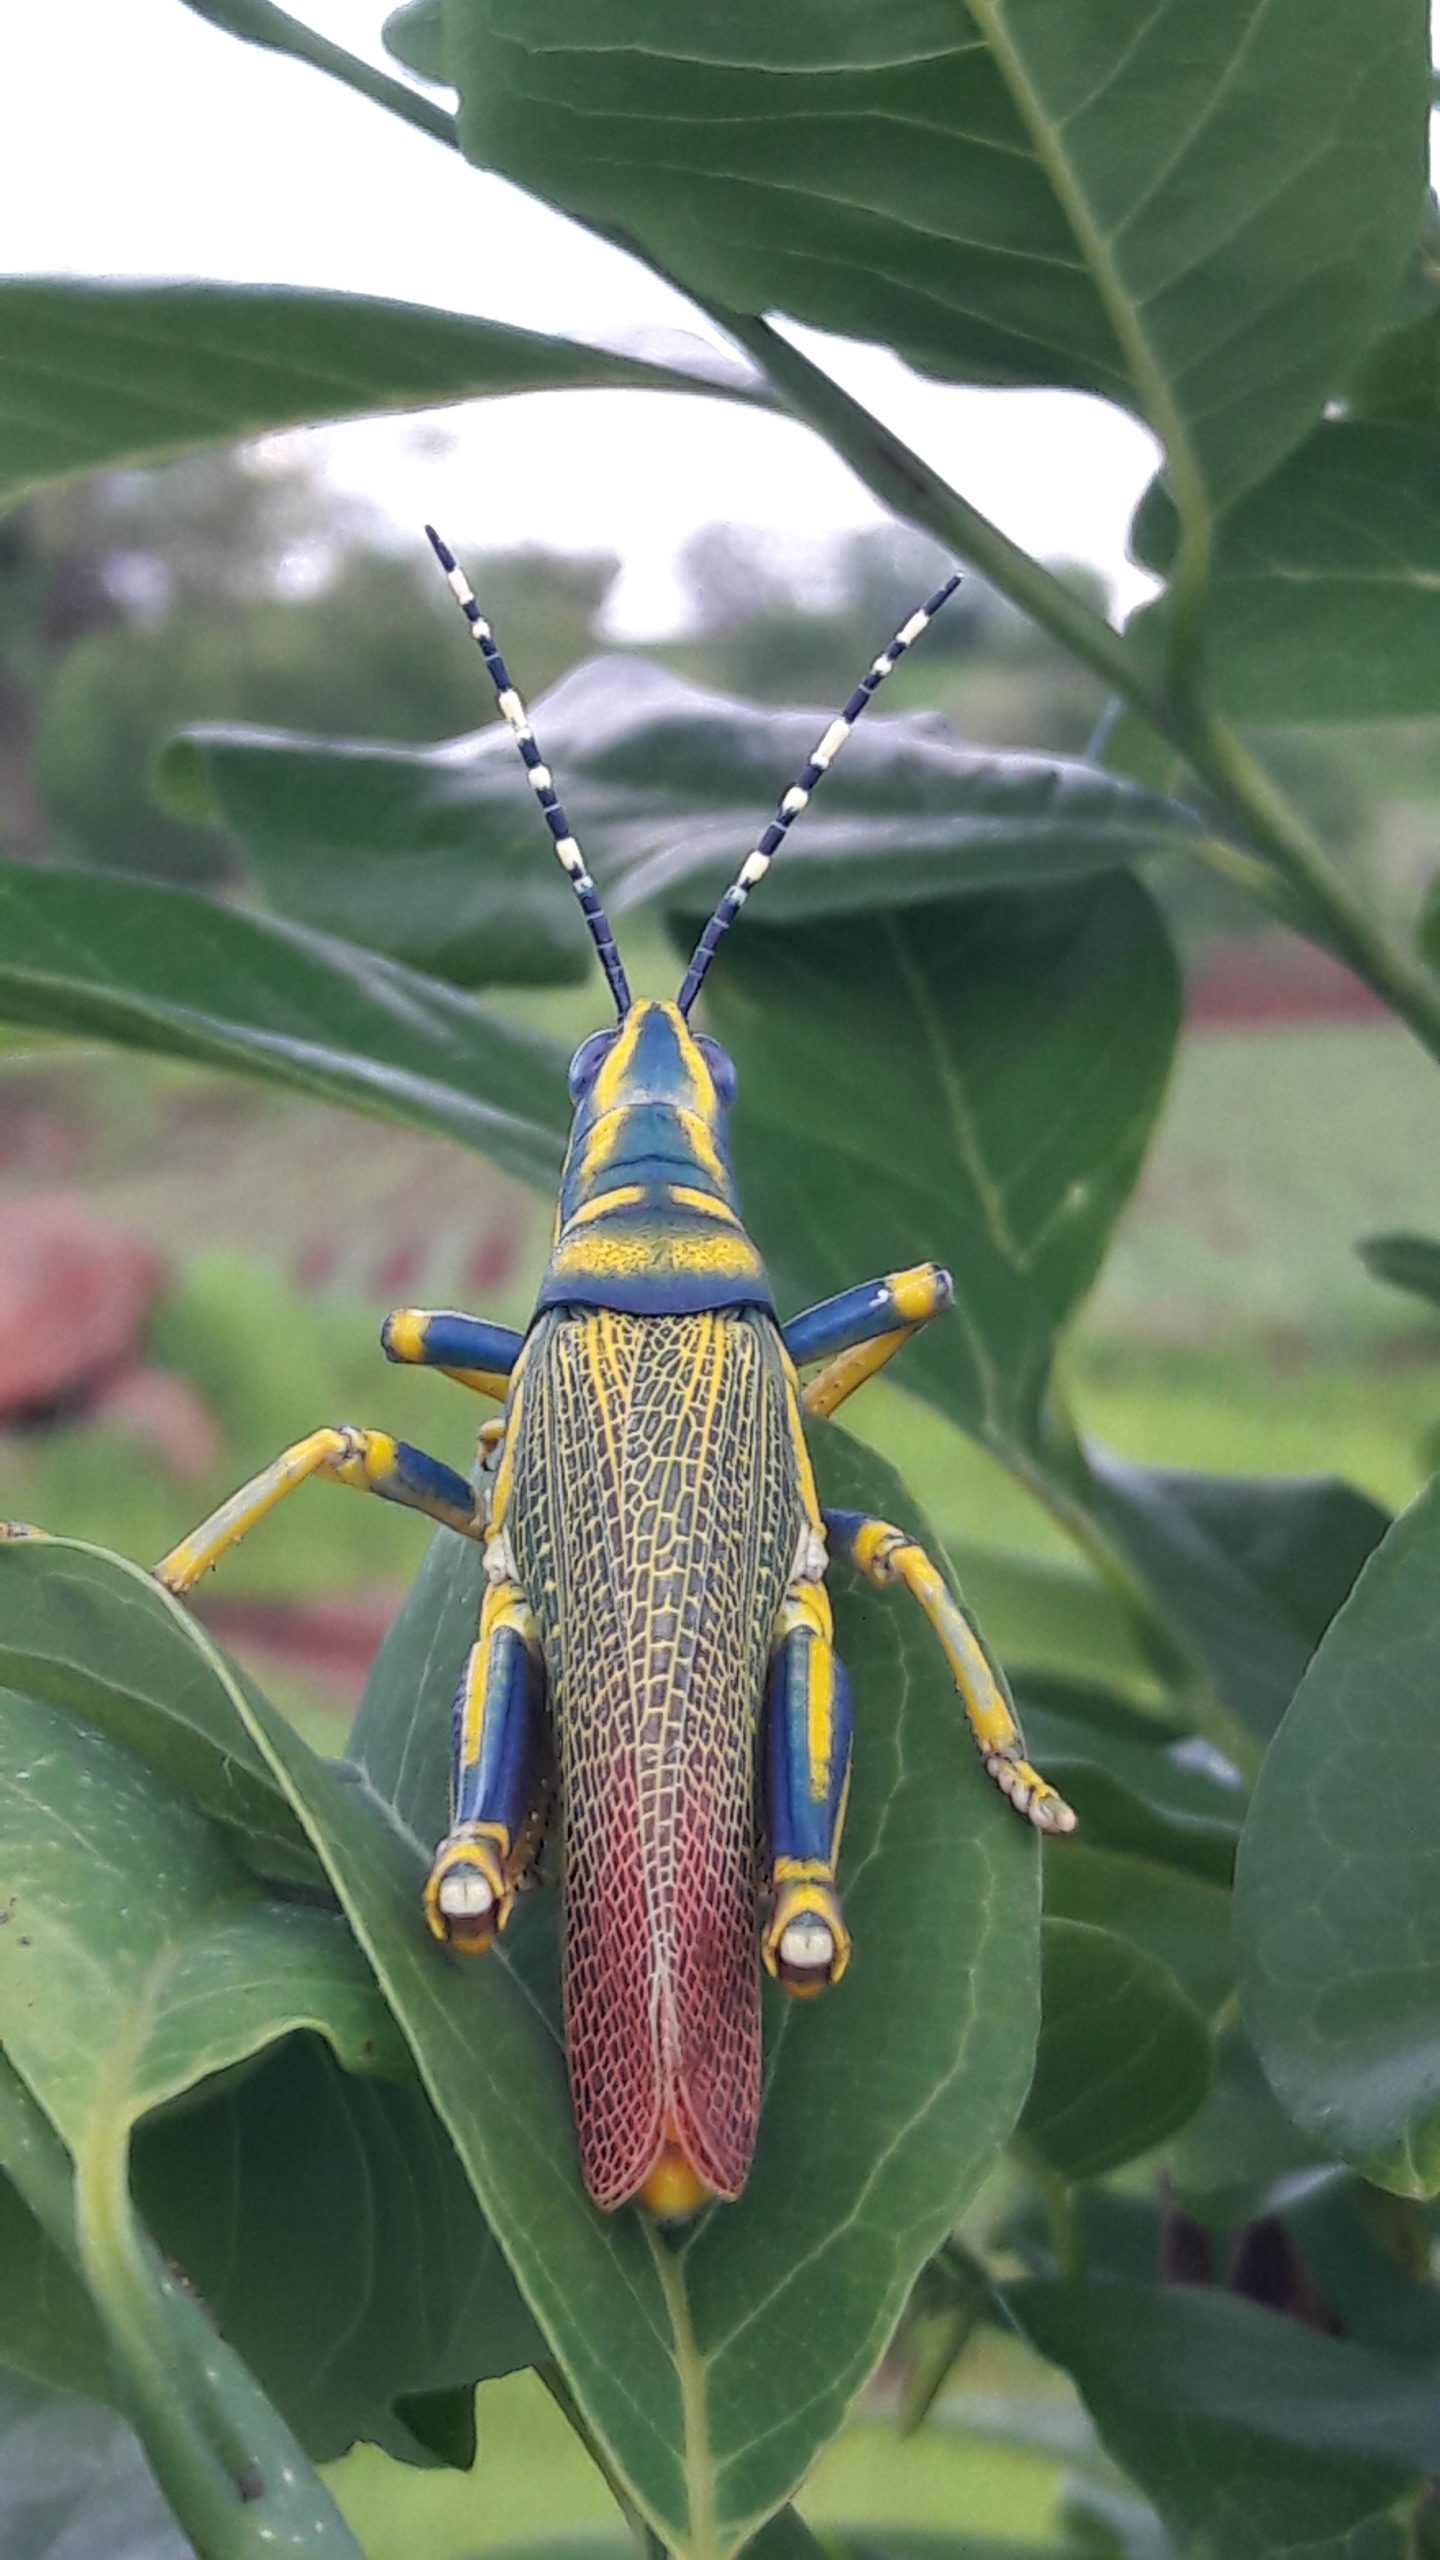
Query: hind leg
806, 1777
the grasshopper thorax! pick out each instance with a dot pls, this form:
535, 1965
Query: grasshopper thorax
647, 1217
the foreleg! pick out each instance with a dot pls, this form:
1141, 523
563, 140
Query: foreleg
367, 1461
466, 1348
856, 1333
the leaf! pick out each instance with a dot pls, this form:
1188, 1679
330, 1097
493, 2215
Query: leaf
1131, 1784
1047, 1616
1240, 2156
1336, 1923
1000, 1135
74, 2482
415, 35
1406, 1262
167, 970
327, 2224
1204, 216
96, 375
1124, 2057
49, 2329
1321, 604
1180, 1921
95, 1635
1249, 1570
1251, 2434
666, 785
884, 2106
119, 1985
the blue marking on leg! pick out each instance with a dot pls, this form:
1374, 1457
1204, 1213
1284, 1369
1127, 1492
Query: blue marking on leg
803, 1823
499, 1785
424, 1483
445, 1340
855, 1316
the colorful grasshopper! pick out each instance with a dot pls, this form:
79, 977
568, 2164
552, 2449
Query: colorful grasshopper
655, 1626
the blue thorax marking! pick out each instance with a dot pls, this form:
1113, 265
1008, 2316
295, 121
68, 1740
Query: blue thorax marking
648, 1219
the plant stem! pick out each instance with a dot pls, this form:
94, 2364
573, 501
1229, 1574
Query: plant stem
1299, 881
259, 22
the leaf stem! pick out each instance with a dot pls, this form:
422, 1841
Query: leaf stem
259, 22
1295, 878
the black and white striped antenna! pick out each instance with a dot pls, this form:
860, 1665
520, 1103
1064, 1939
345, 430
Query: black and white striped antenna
756, 863
513, 712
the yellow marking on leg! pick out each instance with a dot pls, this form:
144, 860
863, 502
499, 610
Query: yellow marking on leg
485, 1852
884, 1554
841, 1376
342, 1454
807, 1605
804, 1467
921, 1292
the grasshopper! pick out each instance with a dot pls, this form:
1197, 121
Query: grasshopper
655, 1629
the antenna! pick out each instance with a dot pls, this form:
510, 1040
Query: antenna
755, 865
513, 712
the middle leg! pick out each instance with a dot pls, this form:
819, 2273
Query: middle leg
806, 1764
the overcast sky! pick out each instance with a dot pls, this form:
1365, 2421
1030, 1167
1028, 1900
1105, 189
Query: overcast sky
137, 140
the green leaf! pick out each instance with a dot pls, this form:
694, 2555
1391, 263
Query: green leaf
1250, 2433
1321, 604
49, 2328
1182, 1922
94, 376
327, 2223
1370, 2254
74, 2480
1130, 1783
1206, 217
1406, 1262
1000, 1135
1124, 2057
1337, 1925
90, 1633
1050, 1618
435, 854
1248, 1570
884, 2105
1240, 2156
167, 970
415, 35
137, 1958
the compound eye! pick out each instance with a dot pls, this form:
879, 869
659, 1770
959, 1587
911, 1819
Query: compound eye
585, 1065
722, 1070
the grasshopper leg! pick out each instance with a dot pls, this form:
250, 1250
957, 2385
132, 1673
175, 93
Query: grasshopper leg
856, 1333
368, 1461
468, 1349
495, 1772
805, 1944
885, 1554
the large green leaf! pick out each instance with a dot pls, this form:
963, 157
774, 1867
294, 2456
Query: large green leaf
93, 1634
328, 2225
1322, 596
1251, 2434
1124, 2057
1180, 1921
137, 1958
168, 970
1204, 213
435, 854
1337, 1923
1248, 1570
1240, 2156
884, 2105
974, 1084
96, 375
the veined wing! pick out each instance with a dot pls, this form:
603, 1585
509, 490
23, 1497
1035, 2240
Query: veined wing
654, 1520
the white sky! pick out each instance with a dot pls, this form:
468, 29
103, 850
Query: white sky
137, 140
